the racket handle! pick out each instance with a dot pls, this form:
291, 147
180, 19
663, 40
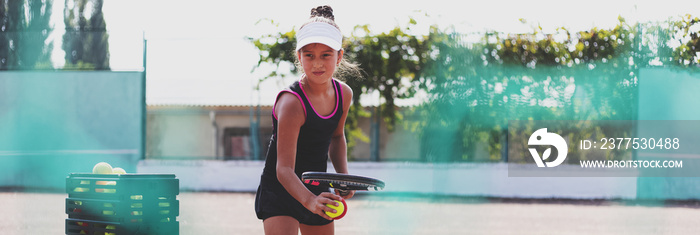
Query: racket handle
343, 192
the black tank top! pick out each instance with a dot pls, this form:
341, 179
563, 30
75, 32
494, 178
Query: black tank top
313, 142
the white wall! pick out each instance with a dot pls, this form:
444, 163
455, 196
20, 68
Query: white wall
208, 175
466, 179
182, 135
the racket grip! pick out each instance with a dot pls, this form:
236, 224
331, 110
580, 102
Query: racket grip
343, 192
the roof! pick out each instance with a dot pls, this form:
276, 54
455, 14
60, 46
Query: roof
232, 92
210, 92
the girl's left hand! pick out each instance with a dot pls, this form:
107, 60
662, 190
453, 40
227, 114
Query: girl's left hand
345, 194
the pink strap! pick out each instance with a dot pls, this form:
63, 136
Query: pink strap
278, 97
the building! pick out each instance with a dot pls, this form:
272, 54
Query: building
223, 132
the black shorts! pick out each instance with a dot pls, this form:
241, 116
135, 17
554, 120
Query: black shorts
270, 203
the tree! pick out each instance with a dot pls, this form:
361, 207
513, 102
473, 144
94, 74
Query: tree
393, 62
24, 31
475, 87
86, 41
688, 53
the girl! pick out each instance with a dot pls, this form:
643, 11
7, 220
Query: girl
308, 128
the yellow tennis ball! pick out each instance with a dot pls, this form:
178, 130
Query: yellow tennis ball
102, 168
118, 170
341, 209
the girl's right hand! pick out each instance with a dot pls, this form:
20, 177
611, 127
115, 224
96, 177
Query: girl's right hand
318, 204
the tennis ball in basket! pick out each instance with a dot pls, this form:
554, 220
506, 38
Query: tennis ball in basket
118, 170
84, 225
102, 168
341, 209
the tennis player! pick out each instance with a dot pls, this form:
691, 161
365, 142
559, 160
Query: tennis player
308, 121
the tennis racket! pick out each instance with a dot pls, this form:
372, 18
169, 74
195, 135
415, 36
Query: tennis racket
342, 182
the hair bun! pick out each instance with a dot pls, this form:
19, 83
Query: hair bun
323, 11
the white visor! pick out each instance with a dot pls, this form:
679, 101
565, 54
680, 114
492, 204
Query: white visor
319, 32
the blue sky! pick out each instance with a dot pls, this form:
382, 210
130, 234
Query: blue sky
214, 31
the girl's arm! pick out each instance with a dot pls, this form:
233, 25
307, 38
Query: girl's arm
290, 118
338, 150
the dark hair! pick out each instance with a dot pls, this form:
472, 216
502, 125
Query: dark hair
345, 69
323, 11
322, 14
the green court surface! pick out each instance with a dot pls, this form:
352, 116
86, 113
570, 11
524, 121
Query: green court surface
232, 213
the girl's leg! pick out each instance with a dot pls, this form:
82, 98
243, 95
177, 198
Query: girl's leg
328, 229
281, 225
